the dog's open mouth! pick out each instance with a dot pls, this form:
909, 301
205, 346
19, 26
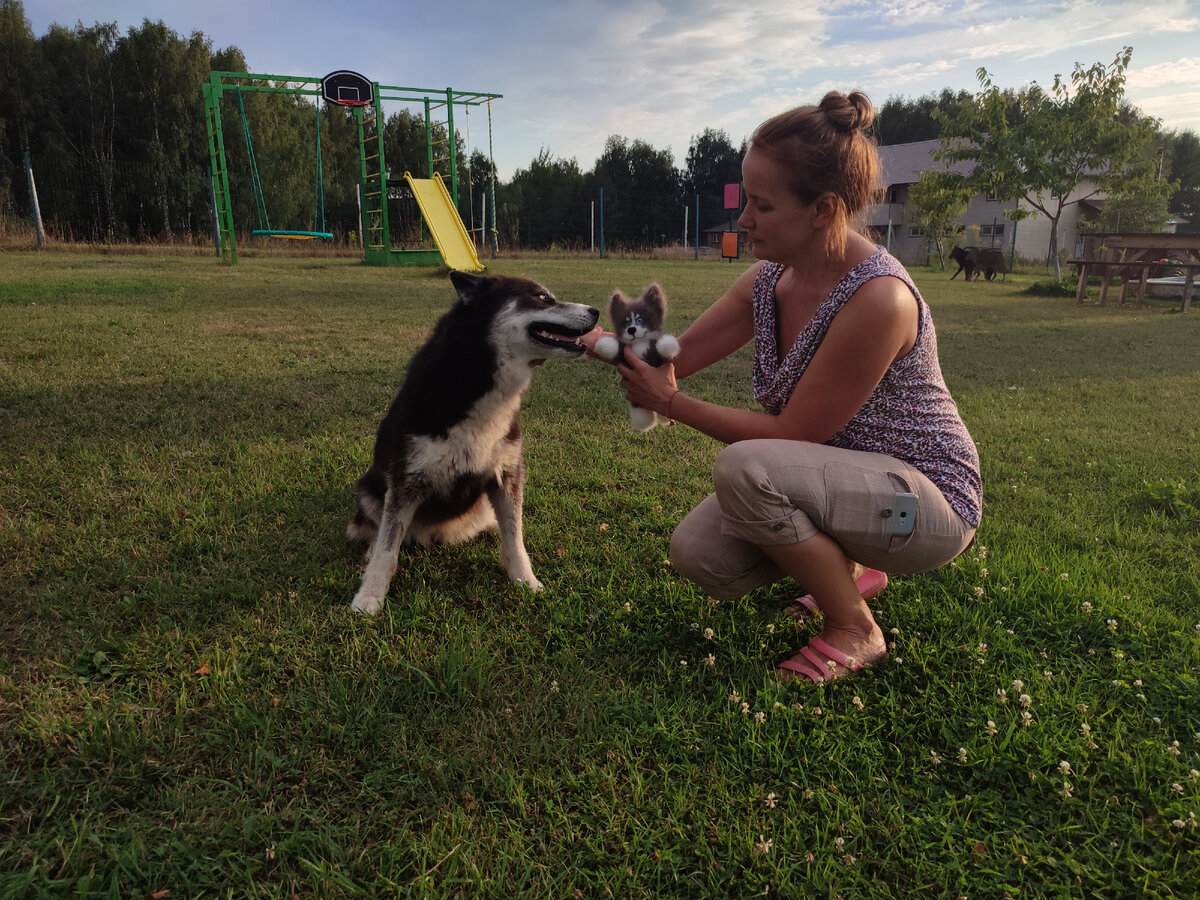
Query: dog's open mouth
557, 336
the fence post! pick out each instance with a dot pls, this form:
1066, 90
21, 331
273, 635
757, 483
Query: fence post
602, 223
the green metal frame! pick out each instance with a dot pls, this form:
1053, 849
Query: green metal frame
372, 169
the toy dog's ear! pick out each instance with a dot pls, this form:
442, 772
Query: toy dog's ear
617, 307
655, 299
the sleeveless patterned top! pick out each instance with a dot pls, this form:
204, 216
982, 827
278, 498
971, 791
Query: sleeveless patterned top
909, 416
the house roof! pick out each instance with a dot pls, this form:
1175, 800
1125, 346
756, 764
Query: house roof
904, 163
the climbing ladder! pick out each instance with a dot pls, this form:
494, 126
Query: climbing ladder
219, 186
372, 178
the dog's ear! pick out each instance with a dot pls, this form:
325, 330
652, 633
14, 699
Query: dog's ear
467, 285
617, 307
656, 300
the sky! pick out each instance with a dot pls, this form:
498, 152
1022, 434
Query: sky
574, 72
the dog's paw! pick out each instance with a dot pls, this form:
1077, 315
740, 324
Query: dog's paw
668, 346
364, 603
528, 580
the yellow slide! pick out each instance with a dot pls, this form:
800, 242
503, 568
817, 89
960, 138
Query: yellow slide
444, 223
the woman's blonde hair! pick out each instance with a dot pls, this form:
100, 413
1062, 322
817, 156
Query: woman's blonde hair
826, 150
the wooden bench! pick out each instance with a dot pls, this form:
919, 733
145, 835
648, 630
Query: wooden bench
1138, 271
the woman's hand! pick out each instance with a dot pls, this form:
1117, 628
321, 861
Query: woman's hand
647, 386
589, 341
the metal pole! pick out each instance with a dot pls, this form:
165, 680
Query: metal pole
602, 223
33, 199
696, 242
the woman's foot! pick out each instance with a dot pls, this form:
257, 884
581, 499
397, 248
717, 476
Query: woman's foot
836, 654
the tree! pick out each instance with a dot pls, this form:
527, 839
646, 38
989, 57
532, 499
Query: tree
940, 198
902, 121
1078, 136
1181, 162
641, 192
712, 163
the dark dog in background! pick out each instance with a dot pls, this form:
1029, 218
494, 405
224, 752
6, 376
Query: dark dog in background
975, 260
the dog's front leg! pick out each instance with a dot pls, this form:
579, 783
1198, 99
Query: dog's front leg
507, 500
398, 509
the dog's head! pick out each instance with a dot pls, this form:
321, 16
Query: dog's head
525, 320
633, 319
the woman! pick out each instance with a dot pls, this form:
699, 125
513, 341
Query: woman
856, 412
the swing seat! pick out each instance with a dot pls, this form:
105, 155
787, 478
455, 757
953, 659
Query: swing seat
292, 235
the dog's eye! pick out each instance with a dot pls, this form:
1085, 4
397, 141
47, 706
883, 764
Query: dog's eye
637, 320
546, 298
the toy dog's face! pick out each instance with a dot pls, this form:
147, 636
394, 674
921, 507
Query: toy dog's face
633, 319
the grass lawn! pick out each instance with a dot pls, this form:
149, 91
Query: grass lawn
187, 704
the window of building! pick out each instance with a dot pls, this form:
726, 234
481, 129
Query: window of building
996, 230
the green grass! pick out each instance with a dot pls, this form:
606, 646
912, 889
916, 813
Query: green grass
187, 704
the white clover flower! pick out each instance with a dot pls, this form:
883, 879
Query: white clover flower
1137, 682
934, 758
1018, 684
745, 708
1048, 675
1063, 576
1194, 774
1087, 606
981, 649
978, 592
895, 630
1111, 623
991, 728
983, 573
1066, 790
683, 662
1026, 718
1085, 729
1064, 767
708, 634
769, 800
760, 717
628, 607
857, 701
554, 687
840, 843
735, 698
962, 754
1177, 788
710, 660
1002, 695
763, 847
1025, 700
1082, 707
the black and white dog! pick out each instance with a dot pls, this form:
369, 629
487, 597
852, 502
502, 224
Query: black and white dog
448, 462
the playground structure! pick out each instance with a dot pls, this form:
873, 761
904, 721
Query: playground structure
438, 203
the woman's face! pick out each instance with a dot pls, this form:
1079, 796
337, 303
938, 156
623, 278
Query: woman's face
776, 220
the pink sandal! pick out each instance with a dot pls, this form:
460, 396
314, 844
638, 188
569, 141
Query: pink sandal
870, 583
817, 669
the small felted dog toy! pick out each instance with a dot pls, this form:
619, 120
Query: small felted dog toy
638, 325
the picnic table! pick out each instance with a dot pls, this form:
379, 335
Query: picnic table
1137, 257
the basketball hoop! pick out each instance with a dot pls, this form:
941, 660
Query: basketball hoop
346, 88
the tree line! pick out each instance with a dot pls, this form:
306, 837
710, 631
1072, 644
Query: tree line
113, 126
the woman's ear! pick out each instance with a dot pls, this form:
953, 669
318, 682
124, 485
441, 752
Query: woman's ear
825, 209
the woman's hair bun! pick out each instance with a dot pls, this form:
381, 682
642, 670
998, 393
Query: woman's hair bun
848, 113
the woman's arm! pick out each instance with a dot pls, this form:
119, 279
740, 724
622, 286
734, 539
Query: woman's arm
877, 326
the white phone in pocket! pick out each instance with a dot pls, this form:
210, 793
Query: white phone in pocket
903, 514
